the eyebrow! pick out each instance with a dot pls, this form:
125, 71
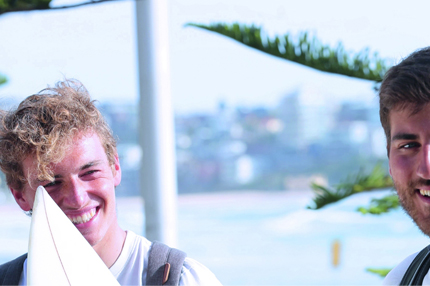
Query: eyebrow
90, 164
404, 136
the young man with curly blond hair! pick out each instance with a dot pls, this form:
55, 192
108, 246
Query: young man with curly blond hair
58, 139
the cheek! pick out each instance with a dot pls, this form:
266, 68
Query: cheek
400, 167
27, 200
57, 196
105, 190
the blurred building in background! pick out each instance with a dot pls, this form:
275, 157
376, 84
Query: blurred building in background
307, 137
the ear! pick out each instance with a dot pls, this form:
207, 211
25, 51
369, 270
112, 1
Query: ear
388, 150
388, 155
21, 199
117, 171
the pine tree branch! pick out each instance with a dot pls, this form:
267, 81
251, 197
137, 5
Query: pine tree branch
25, 6
376, 179
381, 272
382, 205
3, 79
306, 51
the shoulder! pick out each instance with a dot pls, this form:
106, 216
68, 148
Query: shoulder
136, 245
138, 240
133, 258
10, 272
397, 273
195, 273
19, 261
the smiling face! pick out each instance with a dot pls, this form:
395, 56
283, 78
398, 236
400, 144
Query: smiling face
409, 160
84, 189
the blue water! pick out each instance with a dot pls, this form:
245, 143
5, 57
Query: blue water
267, 238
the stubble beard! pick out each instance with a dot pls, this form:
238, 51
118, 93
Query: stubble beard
406, 196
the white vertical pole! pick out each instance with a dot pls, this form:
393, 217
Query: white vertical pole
158, 171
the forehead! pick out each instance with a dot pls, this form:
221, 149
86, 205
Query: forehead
407, 121
82, 149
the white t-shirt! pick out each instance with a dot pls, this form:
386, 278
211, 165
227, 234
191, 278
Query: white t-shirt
131, 266
396, 274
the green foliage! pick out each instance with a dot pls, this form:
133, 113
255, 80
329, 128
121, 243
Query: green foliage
23, 5
379, 271
8, 6
3, 79
377, 179
382, 205
325, 195
306, 51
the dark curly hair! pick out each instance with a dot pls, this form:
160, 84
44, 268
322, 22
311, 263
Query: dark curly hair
405, 86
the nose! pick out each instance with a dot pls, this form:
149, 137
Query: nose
424, 164
74, 194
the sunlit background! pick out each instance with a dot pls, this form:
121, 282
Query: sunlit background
252, 131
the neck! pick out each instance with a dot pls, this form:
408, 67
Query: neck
110, 248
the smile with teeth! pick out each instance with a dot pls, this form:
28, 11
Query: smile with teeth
83, 218
425, 193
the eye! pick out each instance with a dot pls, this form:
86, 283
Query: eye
410, 145
51, 184
90, 172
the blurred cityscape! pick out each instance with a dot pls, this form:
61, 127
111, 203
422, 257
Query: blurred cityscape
307, 137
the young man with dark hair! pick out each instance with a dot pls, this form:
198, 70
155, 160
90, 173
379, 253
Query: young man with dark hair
405, 116
58, 139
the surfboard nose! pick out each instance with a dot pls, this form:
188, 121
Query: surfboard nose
57, 253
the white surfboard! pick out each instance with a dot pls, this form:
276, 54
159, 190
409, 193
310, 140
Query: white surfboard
58, 254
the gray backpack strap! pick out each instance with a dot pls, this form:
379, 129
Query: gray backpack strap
10, 272
164, 265
418, 268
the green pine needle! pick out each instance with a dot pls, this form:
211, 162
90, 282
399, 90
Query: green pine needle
382, 205
306, 50
3, 79
377, 179
382, 272
22, 5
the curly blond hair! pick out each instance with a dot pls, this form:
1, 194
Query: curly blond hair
44, 126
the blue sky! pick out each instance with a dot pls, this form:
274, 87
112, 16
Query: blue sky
96, 44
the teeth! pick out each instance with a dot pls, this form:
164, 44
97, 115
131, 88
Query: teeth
83, 218
425, 193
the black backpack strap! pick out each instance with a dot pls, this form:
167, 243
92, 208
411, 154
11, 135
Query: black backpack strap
418, 268
10, 272
164, 265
